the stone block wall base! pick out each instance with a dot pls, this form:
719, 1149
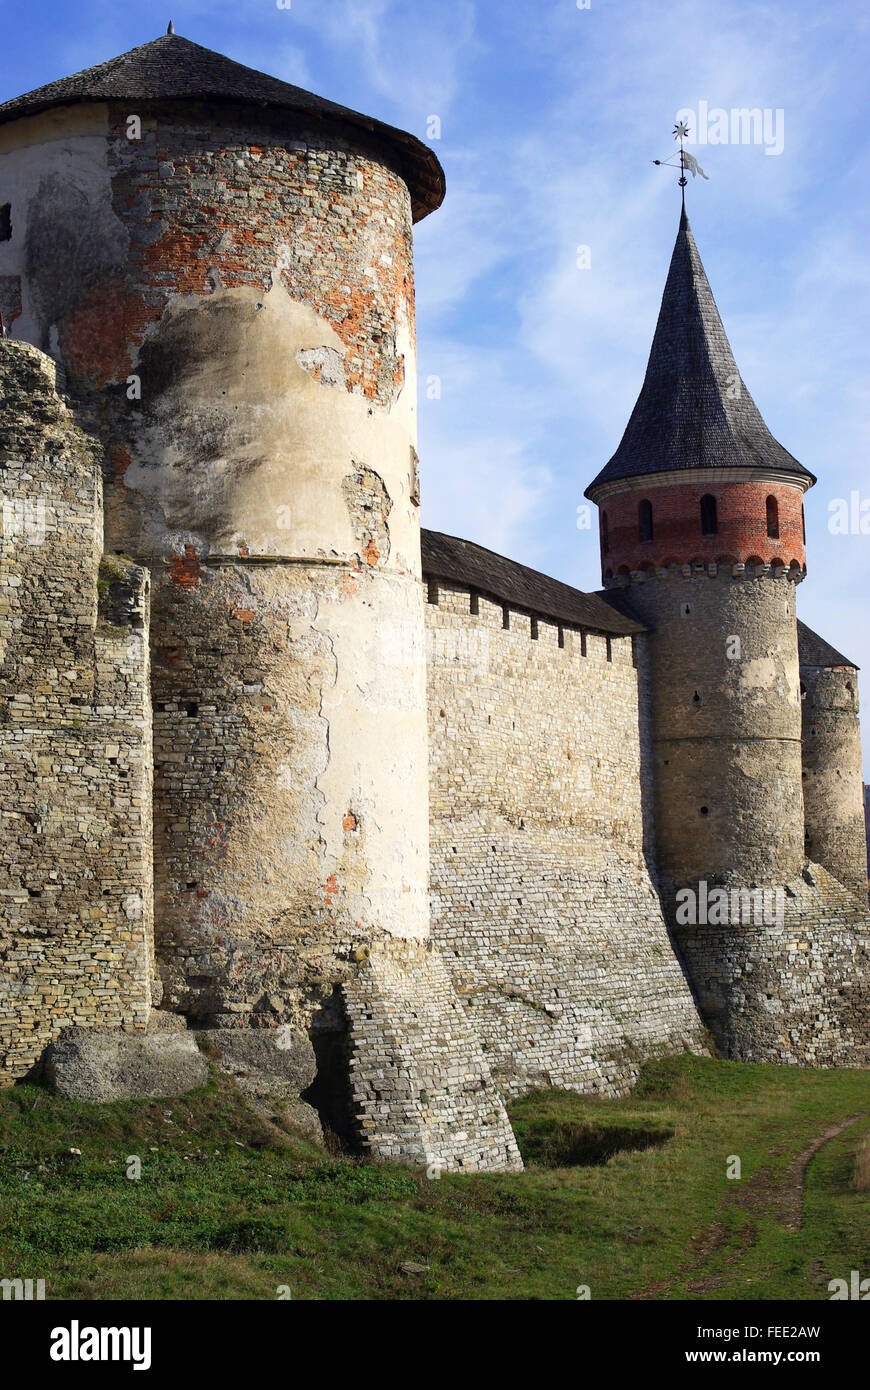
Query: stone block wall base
93, 1064
421, 1086
796, 990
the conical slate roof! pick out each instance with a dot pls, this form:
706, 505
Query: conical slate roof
173, 68
693, 410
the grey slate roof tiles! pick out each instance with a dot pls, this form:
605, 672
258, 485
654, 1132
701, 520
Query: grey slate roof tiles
813, 650
693, 410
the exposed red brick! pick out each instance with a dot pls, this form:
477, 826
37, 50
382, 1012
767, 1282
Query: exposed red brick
677, 537
186, 570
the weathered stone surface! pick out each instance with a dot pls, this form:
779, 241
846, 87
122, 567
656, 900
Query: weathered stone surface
303, 1117
98, 1065
76, 942
832, 776
161, 1021
266, 1061
422, 1086
788, 985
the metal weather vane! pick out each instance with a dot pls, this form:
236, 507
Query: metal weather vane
687, 161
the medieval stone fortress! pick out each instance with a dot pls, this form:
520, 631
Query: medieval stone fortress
276, 764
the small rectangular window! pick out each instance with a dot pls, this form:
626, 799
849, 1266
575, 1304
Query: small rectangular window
583, 642
474, 603
609, 648
506, 617
432, 591
534, 625
6, 222
561, 637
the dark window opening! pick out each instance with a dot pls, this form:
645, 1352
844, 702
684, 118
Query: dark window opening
772, 519
709, 519
645, 521
609, 648
474, 603
506, 618
561, 637
582, 643
705, 810
432, 591
6, 222
605, 533
534, 627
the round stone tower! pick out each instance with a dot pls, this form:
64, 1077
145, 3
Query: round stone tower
702, 539
701, 517
833, 781
222, 263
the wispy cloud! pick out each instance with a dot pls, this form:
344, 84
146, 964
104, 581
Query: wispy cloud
551, 116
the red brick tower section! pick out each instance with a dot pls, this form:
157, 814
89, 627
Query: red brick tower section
712, 516
698, 478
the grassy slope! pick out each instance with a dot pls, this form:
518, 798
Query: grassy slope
228, 1207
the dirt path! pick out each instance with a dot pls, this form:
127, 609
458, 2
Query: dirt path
765, 1192
796, 1174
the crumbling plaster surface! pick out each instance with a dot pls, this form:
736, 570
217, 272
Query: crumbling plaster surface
65, 233
238, 448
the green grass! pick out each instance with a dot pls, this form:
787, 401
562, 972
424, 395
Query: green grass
628, 1196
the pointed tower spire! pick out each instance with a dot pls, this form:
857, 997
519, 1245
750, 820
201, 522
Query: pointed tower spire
694, 410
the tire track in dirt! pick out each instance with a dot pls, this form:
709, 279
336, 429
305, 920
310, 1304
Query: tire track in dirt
764, 1194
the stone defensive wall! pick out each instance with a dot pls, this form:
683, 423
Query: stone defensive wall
75, 735
544, 906
728, 763
790, 983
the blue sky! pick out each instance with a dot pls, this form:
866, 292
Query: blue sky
550, 116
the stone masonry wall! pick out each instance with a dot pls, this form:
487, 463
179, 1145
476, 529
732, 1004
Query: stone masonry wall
75, 793
544, 909
792, 989
421, 1085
